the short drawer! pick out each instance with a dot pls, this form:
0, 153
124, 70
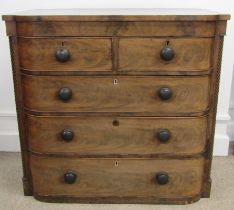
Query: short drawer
160, 95
177, 55
65, 54
120, 136
168, 178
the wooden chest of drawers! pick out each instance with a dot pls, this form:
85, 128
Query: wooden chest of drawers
116, 106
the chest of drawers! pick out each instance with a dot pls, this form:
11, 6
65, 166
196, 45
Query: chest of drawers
116, 106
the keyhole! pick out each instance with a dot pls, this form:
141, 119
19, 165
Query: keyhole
62, 43
115, 82
167, 42
116, 163
115, 123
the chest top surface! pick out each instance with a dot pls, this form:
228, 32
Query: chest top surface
123, 14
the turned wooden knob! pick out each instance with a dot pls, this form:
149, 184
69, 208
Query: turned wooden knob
162, 178
165, 93
70, 177
65, 94
67, 134
164, 135
62, 55
167, 53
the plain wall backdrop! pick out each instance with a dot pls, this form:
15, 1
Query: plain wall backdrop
8, 126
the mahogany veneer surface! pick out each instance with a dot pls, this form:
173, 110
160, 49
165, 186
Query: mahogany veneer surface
116, 106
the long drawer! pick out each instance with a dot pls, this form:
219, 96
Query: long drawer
159, 178
161, 95
106, 136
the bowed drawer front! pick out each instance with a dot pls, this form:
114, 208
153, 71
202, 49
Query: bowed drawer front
120, 136
117, 177
117, 108
160, 95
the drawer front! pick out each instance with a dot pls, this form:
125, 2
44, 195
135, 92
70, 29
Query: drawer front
116, 136
116, 177
144, 54
159, 95
117, 28
59, 54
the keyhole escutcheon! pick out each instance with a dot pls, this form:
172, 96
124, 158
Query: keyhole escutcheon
115, 82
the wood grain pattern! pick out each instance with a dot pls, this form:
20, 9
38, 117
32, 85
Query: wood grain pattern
131, 94
117, 177
116, 164
144, 54
118, 18
215, 78
117, 14
118, 199
27, 179
116, 28
85, 54
98, 136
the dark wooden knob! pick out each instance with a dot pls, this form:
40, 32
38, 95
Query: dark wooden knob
163, 135
65, 94
165, 93
167, 53
162, 178
62, 55
67, 134
70, 177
